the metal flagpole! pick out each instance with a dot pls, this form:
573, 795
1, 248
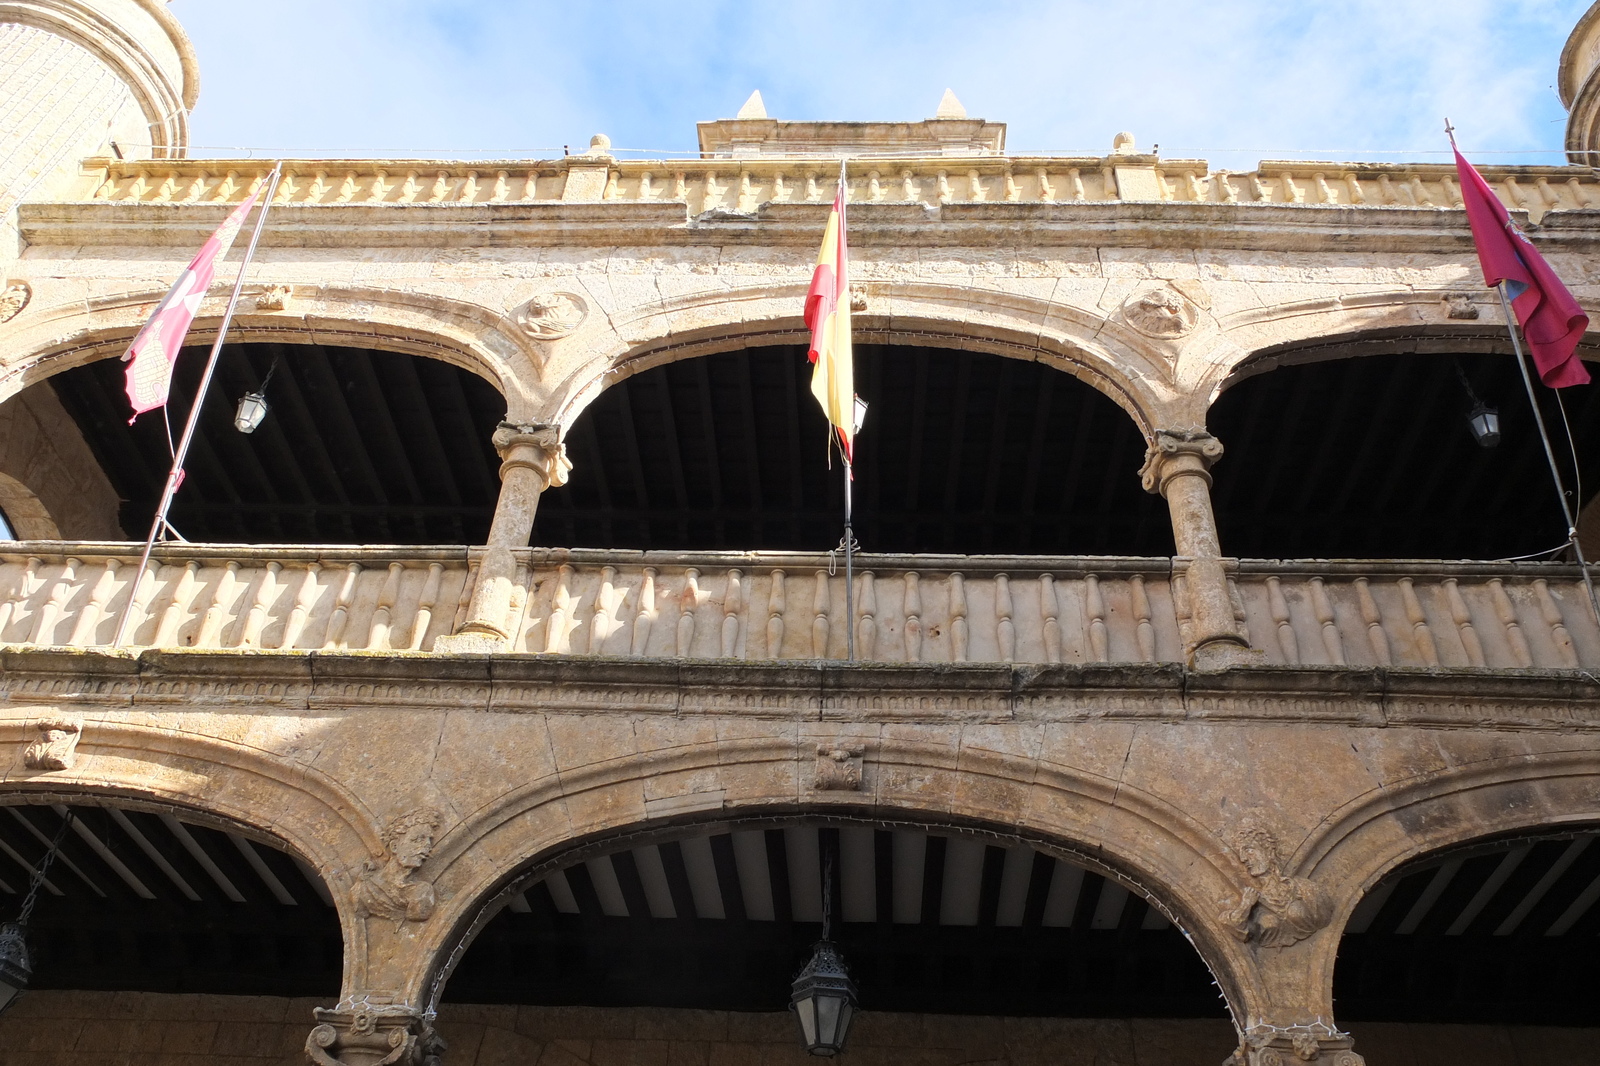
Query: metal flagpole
849, 470
173, 475
1549, 452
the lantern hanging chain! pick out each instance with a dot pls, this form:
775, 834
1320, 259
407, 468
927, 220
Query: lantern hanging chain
271, 370
43, 868
827, 895
1472, 394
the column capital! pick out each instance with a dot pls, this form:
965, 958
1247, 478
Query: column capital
1315, 1044
368, 1034
1177, 452
533, 446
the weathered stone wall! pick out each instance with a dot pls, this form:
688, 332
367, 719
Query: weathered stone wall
147, 1029
50, 483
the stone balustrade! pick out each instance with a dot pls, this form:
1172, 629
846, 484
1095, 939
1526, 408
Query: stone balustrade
743, 186
763, 606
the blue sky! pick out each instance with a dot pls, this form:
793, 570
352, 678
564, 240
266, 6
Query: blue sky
1234, 81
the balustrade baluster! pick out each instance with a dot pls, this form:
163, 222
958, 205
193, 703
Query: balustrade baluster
424, 615
600, 625
1279, 606
256, 620
1094, 605
1419, 623
562, 603
1463, 620
89, 617
687, 603
305, 596
867, 624
210, 634
645, 620
382, 616
340, 617
1376, 636
1323, 607
730, 616
958, 619
1552, 618
777, 602
912, 630
1507, 614
1144, 629
820, 623
1005, 630
1050, 611
44, 630
178, 606
20, 594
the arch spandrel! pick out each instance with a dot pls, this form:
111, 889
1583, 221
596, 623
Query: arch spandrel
476, 338
1132, 370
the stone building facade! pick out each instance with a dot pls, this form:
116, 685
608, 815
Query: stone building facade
424, 740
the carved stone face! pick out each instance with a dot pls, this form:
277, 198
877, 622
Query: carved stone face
1258, 858
413, 847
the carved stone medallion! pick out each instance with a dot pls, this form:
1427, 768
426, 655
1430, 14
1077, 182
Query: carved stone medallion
390, 889
1163, 313
552, 315
273, 298
57, 749
13, 299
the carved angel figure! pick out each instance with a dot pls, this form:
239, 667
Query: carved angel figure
57, 748
1278, 910
389, 889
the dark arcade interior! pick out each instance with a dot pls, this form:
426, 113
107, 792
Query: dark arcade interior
962, 452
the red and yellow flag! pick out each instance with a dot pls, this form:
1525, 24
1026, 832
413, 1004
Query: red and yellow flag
828, 317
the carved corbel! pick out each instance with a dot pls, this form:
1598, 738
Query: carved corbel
1175, 452
838, 768
370, 1035
1316, 1044
57, 747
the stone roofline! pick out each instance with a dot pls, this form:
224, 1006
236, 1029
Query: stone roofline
745, 186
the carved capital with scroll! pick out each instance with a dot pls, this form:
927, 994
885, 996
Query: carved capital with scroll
1176, 453
534, 447
57, 746
370, 1035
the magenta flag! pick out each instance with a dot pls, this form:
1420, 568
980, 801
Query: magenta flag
151, 356
1552, 321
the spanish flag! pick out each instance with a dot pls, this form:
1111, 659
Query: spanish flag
828, 317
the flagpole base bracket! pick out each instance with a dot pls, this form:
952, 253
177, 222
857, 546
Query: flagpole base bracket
1223, 652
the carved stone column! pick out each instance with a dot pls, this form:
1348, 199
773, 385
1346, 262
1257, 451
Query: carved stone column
532, 460
1178, 467
366, 1034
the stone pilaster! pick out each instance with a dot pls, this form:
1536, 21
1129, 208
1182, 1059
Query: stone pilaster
532, 460
1178, 467
366, 1034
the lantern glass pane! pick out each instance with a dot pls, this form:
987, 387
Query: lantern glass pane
8, 992
806, 1009
846, 1013
828, 1019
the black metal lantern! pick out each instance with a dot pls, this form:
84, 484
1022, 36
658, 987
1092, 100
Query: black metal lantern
15, 969
824, 1001
1485, 423
824, 998
16, 965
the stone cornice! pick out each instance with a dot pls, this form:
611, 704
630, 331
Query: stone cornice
321, 682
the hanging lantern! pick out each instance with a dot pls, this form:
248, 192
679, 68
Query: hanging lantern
1485, 423
252, 409
824, 1002
15, 969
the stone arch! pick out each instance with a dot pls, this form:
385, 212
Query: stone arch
1365, 839
62, 335
25, 512
1140, 839
1132, 371
229, 785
